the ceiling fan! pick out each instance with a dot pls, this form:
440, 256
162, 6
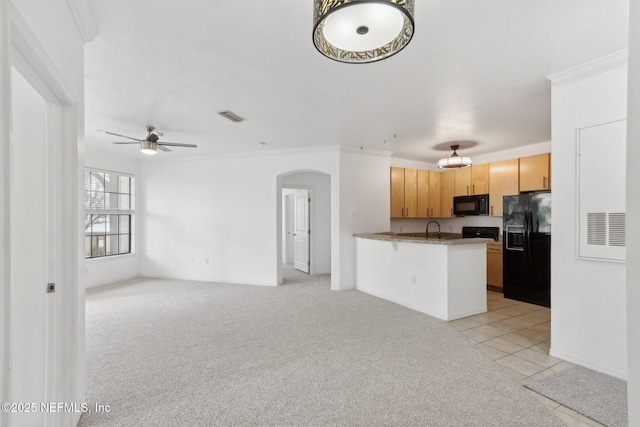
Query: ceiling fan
151, 143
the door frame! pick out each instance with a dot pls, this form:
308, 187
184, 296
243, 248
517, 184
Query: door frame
20, 49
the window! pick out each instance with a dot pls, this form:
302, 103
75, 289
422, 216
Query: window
109, 208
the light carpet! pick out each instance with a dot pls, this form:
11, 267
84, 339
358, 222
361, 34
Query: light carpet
598, 396
180, 353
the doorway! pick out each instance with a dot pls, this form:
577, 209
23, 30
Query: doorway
305, 227
297, 226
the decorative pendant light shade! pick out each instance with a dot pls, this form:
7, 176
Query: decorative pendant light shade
361, 31
455, 161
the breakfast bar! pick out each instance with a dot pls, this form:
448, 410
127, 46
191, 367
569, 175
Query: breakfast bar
441, 277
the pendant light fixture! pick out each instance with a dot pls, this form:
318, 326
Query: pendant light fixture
362, 31
455, 161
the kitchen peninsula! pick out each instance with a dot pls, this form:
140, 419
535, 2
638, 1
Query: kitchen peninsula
442, 277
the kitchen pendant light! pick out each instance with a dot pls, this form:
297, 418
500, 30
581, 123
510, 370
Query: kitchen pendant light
362, 31
455, 161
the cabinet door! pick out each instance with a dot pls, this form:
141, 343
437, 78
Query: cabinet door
480, 179
447, 185
462, 181
397, 192
494, 266
435, 206
410, 193
503, 181
423, 194
534, 173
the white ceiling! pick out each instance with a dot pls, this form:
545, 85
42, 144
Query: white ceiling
474, 71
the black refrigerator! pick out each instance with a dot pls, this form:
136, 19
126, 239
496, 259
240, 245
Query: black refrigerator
526, 251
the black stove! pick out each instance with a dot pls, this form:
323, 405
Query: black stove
484, 232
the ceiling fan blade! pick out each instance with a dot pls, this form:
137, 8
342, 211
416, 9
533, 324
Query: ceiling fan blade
160, 147
125, 142
175, 144
117, 134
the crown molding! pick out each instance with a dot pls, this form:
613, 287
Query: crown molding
589, 69
85, 21
365, 151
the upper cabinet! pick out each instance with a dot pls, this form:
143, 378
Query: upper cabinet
404, 193
447, 188
535, 173
504, 182
462, 181
423, 194
435, 205
480, 179
472, 180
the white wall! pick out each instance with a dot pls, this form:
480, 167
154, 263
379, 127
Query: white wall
219, 219
633, 216
365, 197
588, 299
100, 271
320, 185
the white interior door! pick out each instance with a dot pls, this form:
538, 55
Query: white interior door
302, 231
33, 309
288, 230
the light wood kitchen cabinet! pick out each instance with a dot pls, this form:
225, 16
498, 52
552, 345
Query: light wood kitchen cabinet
534, 173
494, 267
472, 180
480, 179
435, 204
462, 179
404, 193
503, 178
397, 192
447, 189
423, 194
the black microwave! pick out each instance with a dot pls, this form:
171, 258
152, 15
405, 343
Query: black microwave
471, 205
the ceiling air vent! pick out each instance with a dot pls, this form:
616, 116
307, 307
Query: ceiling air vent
231, 116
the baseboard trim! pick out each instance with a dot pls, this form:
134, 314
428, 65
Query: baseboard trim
577, 360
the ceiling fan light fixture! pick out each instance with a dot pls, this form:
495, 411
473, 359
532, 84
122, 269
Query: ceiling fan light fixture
362, 31
455, 161
148, 147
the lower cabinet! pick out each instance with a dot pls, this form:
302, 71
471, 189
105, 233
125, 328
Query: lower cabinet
494, 267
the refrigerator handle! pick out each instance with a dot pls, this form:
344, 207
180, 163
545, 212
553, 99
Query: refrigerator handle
525, 235
529, 231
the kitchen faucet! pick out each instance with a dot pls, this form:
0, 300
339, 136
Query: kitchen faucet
427, 231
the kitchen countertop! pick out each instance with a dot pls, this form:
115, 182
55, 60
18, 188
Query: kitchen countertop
447, 238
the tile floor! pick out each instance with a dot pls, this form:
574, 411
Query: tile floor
516, 336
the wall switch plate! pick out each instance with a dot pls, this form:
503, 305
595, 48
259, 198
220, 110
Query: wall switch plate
51, 287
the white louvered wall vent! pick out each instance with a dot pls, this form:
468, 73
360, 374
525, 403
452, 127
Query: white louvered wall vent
601, 183
606, 229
